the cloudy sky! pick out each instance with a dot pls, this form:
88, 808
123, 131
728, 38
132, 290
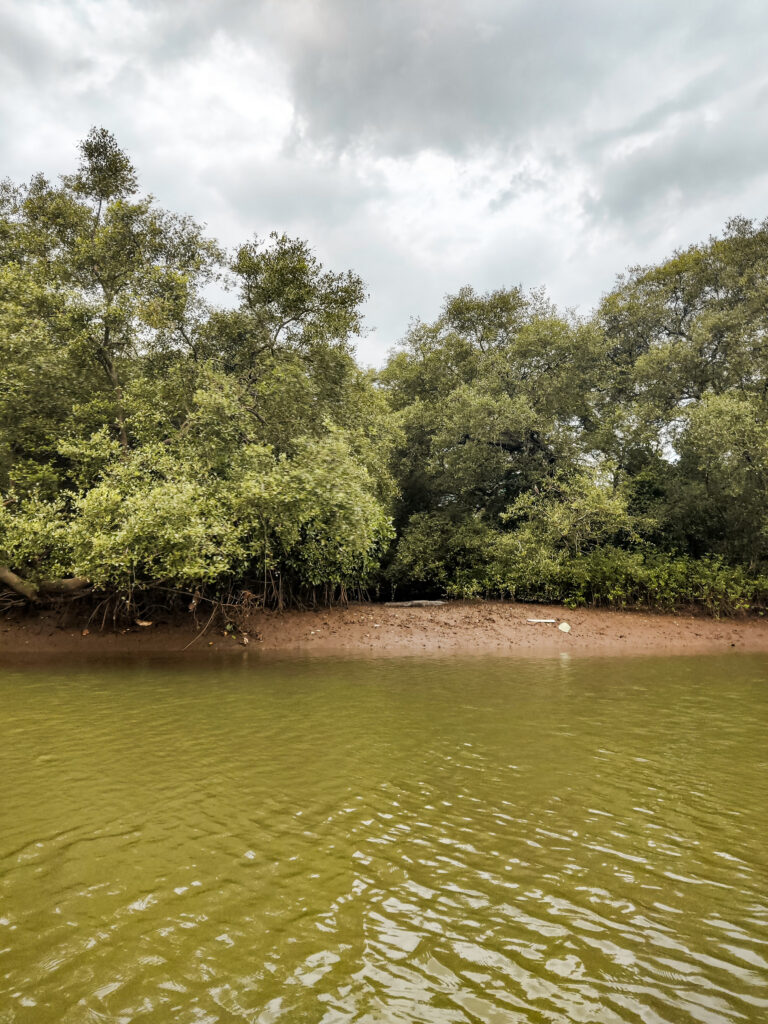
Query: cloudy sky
424, 143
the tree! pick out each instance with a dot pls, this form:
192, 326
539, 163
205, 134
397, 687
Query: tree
494, 397
686, 388
152, 441
103, 274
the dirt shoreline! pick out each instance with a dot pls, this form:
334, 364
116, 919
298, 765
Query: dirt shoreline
454, 629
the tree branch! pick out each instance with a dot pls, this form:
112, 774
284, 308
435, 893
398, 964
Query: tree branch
33, 591
18, 586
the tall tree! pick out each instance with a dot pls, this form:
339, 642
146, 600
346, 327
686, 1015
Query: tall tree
101, 272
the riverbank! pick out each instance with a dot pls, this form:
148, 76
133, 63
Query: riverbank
455, 628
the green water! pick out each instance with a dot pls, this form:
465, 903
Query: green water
401, 841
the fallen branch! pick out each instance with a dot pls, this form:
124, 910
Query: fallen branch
18, 585
412, 604
32, 592
205, 627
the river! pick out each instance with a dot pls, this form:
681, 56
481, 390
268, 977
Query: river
442, 841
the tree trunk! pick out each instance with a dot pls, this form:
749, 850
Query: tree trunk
120, 408
109, 366
33, 591
17, 585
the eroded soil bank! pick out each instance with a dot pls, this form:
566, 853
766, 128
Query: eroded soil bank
461, 628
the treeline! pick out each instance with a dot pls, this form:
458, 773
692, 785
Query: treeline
156, 446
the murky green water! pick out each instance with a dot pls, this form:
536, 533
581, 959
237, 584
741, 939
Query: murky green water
486, 840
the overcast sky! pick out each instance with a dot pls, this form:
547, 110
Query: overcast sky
424, 143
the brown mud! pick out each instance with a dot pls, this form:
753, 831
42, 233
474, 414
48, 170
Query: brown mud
455, 628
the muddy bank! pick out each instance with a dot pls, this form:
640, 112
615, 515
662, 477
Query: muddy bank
456, 628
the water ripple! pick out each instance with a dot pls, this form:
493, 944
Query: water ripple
442, 843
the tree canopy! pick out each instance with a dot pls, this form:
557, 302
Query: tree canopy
152, 441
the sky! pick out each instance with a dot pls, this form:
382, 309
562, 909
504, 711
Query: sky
425, 144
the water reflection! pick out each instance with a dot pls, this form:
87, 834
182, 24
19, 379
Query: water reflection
559, 841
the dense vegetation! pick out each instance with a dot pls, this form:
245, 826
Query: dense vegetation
155, 443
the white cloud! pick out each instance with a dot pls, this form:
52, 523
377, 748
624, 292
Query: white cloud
425, 143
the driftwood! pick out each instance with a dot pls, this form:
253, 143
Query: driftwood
33, 592
412, 604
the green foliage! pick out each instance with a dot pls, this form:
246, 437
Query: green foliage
105, 172
149, 440
35, 537
617, 461
158, 518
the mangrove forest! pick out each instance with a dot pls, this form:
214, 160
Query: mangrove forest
181, 423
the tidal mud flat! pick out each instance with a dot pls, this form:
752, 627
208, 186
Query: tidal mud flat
461, 628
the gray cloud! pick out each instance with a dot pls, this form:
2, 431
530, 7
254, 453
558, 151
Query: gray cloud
688, 163
402, 75
405, 75
426, 143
